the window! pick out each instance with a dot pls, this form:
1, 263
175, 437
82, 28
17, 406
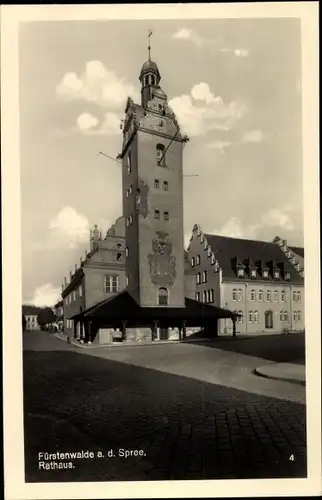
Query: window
282, 316
193, 261
126, 281
160, 155
250, 316
253, 273
268, 296
152, 80
202, 238
285, 316
240, 318
204, 296
198, 277
156, 214
265, 273
239, 295
206, 245
294, 296
283, 295
165, 186
294, 316
130, 189
129, 163
275, 295
118, 257
240, 273
260, 295
204, 276
131, 219
127, 222
298, 316
163, 296
166, 216
255, 317
146, 81
276, 274
80, 291
287, 276
127, 252
252, 295
156, 183
213, 259
198, 296
211, 295
198, 260
111, 284
298, 296
209, 252
234, 294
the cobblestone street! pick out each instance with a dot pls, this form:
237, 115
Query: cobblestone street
189, 421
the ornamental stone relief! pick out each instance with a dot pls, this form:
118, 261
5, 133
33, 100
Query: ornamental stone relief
162, 263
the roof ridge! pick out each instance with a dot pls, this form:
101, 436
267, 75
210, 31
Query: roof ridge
238, 239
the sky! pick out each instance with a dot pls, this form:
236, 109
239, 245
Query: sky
235, 86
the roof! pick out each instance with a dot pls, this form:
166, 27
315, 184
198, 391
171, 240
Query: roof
298, 250
123, 306
150, 65
261, 254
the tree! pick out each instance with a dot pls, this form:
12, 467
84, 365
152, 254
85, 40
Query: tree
46, 316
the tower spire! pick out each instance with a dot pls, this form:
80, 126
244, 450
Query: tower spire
149, 46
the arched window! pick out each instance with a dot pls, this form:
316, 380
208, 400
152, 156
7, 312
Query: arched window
285, 316
294, 316
162, 296
234, 294
260, 295
152, 80
294, 296
298, 316
255, 317
240, 319
156, 183
165, 186
298, 296
281, 316
146, 80
250, 316
252, 295
275, 295
283, 295
268, 296
240, 295
160, 155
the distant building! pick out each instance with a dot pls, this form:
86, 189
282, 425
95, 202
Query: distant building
59, 313
31, 314
262, 281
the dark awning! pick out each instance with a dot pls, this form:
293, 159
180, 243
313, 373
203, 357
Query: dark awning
123, 307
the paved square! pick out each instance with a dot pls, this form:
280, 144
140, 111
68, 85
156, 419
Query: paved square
191, 411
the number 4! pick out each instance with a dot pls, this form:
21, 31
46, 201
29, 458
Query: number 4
292, 458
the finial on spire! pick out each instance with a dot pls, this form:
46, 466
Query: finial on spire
149, 47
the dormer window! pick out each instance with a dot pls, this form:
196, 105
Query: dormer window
287, 275
265, 273
276, 274
253, 273
240, 272
152, 77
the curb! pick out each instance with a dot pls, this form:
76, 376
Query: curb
257, 372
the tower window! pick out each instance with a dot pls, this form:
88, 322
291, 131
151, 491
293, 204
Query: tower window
152, 80
163, 296
129, 163
160, 155
166, 216
156, 214
165, 186
111, 284
146, 80
156, 183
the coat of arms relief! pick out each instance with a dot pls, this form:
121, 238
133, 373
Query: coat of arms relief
162, 263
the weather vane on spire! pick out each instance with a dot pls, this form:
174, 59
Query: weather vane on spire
149, 47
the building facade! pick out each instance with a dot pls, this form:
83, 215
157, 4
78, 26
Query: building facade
31, 316
100, 274
262, 281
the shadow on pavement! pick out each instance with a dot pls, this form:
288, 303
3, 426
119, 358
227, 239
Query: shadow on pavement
186, 429
277, 348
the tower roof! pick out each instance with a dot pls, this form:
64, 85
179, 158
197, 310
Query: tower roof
150, 66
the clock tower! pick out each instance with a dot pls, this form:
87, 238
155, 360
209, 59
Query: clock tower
152, 183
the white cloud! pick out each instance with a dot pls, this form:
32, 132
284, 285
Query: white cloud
87, 124
45, 295
278, 218
86, 121
201, 111
241, 53
221, 145
98, 85
253, 136
235, 229
67, 230
188, 34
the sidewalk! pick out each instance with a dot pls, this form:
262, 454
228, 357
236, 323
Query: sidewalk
288, 372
